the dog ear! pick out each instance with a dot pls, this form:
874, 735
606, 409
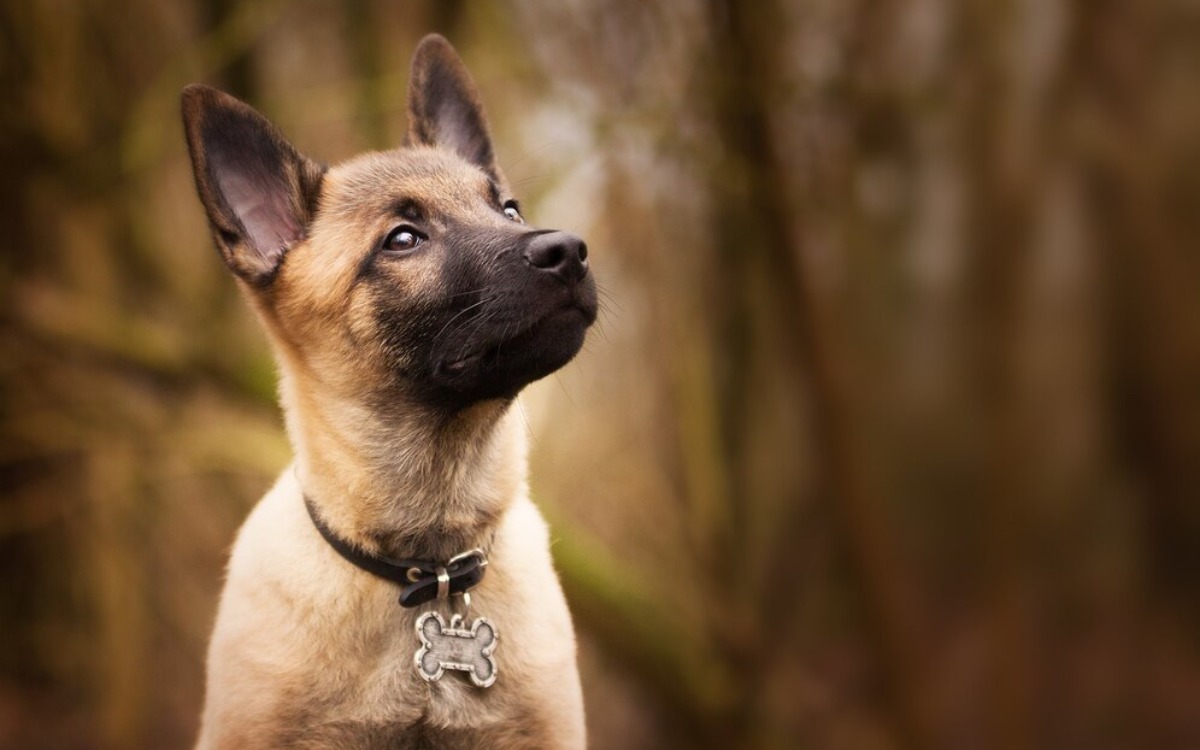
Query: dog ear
444, 107
259, 192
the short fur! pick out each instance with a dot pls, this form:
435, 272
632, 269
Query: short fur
398, 367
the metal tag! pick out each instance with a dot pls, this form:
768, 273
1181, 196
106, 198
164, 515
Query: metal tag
453, 646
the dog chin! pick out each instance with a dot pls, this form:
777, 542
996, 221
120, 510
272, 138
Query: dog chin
501, 369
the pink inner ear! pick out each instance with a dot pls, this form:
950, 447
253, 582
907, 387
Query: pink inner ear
261, 204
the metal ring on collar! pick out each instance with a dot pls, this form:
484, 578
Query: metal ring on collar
443, 579
477, 552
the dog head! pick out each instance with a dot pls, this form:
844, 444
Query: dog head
407, 275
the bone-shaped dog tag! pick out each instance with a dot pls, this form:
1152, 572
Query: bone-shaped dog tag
456, 647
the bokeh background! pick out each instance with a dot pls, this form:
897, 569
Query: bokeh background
889, 436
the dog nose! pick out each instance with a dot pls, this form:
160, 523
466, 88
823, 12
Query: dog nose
560, 253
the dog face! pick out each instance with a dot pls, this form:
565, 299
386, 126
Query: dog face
407, 276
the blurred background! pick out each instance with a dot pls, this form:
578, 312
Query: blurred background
888, 437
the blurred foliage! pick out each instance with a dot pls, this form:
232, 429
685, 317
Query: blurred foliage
889, 436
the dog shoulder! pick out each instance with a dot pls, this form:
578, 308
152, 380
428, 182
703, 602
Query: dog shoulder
531, 600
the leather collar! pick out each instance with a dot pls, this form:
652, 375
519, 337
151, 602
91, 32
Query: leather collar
421, 581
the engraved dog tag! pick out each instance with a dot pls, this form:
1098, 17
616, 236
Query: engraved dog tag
456, 647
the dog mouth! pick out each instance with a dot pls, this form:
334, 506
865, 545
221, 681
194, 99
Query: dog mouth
521, 338
510, 361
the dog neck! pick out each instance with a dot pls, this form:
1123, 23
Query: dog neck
399, 481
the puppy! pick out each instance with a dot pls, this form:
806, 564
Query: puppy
394, 588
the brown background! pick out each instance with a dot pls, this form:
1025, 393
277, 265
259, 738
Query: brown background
889, 436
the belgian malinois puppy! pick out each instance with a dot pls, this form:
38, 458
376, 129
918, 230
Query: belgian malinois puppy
407, 303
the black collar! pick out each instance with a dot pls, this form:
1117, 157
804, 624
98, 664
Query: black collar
420, 580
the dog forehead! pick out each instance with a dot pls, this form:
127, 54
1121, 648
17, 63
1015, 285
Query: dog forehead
433, 178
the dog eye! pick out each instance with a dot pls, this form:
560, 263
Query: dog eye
511, 211
402, 239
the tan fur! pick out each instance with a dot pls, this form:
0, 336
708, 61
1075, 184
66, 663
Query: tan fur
310, 651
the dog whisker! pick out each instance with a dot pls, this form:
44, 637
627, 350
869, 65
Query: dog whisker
460, 313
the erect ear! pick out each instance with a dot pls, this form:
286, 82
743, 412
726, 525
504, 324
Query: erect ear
444, 107
259, 192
